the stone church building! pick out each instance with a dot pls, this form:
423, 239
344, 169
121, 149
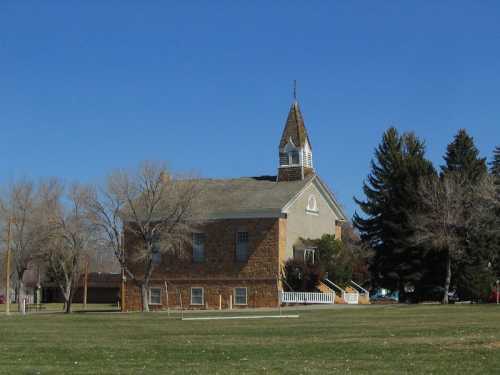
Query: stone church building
252, 226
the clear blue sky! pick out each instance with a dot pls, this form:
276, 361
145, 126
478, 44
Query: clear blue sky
87, 87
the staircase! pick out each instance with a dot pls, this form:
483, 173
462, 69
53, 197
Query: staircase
323, 288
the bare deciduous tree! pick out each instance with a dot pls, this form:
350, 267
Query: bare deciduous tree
70, 237
21, 206
153, 209
451, 210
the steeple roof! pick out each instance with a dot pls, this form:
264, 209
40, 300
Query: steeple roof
295, 128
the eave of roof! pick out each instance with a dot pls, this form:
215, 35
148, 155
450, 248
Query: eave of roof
315, 179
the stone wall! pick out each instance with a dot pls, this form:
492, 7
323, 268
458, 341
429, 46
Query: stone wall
217, 294
220, 272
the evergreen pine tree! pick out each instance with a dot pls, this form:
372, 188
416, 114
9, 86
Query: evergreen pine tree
495, 166
390, 192
495, 173
463, 156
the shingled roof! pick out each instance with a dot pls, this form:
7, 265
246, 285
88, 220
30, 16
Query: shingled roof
295, 128
252, 197
247, 195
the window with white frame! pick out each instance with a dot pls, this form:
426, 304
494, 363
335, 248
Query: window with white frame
242, 246
196, 296
155, 296
198, 247
240, 296
291, 155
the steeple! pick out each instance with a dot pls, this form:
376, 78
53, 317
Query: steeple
295, 150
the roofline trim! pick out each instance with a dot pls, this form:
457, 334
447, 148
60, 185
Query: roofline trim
336, 206
261, 214
292, 201
325, 190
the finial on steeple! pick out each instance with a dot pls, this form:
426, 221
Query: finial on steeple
294, 89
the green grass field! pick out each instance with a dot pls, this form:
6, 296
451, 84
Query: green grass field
360, 339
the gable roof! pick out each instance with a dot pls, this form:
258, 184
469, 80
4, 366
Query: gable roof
256, 197
295, 128
246, 197
327, 194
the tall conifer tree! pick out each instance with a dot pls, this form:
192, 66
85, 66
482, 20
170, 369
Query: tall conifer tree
390, 194
463, 156
495, 173
495, 166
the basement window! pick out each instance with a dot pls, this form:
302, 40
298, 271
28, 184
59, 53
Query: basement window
197, 296
240, 296
155, 296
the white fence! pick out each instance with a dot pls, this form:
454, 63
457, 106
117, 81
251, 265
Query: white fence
304, 297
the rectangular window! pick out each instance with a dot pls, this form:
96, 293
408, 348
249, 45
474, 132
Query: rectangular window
156, 254
198, 247
242, 246
240, 296
155, 296
196, 296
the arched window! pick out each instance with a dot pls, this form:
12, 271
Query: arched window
312, 205
290, 155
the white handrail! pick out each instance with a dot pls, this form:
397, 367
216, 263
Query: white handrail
335, 285
359, 287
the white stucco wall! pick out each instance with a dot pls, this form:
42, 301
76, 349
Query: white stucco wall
301, 223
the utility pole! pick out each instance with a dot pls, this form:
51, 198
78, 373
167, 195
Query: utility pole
7, 266
124, 278
85, 282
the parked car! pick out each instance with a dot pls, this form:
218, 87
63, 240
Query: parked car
384, 296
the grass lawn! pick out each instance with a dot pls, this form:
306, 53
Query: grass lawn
77, 307
360, 339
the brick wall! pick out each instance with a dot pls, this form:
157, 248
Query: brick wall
293, 173
220, 273
290, 174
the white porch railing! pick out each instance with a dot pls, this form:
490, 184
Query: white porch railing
305, 297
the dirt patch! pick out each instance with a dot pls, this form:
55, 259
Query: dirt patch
493, 345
